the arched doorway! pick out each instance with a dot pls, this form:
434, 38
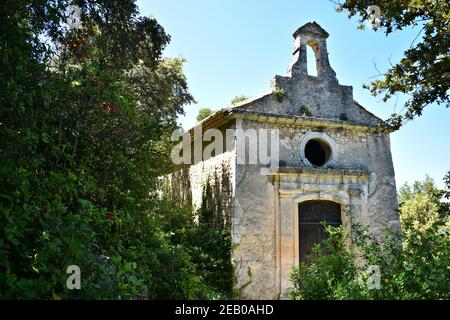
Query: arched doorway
311, 231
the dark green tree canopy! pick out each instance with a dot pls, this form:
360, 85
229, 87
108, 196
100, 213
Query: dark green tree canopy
424, 71
86, 120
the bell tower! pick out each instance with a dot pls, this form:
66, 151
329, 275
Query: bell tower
313, 35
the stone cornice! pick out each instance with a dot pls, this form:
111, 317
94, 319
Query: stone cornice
304, 121
315, 172
226, 115
321, 171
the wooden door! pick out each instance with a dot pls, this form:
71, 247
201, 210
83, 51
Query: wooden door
311, 231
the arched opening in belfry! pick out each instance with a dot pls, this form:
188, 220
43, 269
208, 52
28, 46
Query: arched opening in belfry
311, 216
311, 62
312, 58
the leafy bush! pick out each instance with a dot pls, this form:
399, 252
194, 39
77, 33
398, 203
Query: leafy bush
419, 268
329, 276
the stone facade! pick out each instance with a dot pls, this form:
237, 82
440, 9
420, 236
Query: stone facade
263, 200
205, 185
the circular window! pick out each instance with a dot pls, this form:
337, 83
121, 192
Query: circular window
317, 152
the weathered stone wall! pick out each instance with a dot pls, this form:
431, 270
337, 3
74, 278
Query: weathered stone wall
352, 149
254, 233
205, 185
325, 99
360, 177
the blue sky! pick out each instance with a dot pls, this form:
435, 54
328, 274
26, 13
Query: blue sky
235, 47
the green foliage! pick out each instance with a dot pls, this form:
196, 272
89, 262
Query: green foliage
239, 290
329, 276
423, 72
304, 111
210, 250
278, 93
204, 113
416, 269
85, 118
343, 117
238, 99
446, 192
426, 188
214, 237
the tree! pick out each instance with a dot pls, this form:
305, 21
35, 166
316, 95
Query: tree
238, 99
86, 120
421, 208
204, 113
426, 187
447, 186
407, 191
424, 71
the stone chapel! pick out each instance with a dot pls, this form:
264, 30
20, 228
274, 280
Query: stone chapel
334, 164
